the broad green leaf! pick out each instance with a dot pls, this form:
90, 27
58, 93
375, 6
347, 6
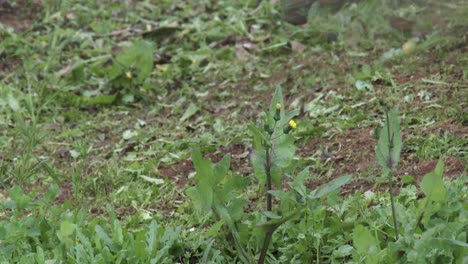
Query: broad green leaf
17, 195
298, 183
226, 217
276, 175
205, 190
363, 240
363, 86
282, 195
258, 155
52, 192
454, 241
236, 209
432, 184
258, 136
193, 193
329, 187
273, 224
139, 56
192, 109
214, 229
258, 163
343, 251
152, 238
13, 103
389, 148
271, 215
118, 232
283, 151
103, 235
221, 169
66, 228
233, 186
204, 167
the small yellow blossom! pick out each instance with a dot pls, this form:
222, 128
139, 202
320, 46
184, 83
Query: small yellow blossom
293, 124
278, 106
128, 75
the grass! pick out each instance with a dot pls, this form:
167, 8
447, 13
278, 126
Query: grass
103, 103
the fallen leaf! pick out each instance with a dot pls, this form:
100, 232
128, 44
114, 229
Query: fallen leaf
296, 46
242, 54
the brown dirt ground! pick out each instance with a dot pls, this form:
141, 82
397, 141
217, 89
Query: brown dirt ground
19, 17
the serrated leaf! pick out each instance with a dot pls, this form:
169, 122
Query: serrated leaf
329, 187
389, 148
432, 184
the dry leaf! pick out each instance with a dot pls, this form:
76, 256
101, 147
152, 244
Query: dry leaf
297, 46
242, 54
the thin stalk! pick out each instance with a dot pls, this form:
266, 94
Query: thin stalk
393, 210
390, 165
268, 176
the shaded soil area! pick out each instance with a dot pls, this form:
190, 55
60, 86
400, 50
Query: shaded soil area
19, 14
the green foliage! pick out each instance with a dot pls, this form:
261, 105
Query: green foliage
137, 59
390, 143
432, 184
273, 152
102, 103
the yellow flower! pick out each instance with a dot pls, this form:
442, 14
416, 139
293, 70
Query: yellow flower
278, 106
128, 75
293, 124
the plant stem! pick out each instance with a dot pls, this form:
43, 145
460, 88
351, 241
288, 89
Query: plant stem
390, 166
268, 176
393, 209
266, 243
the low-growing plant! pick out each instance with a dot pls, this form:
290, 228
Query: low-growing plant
217, 189
415, 216
388, 153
